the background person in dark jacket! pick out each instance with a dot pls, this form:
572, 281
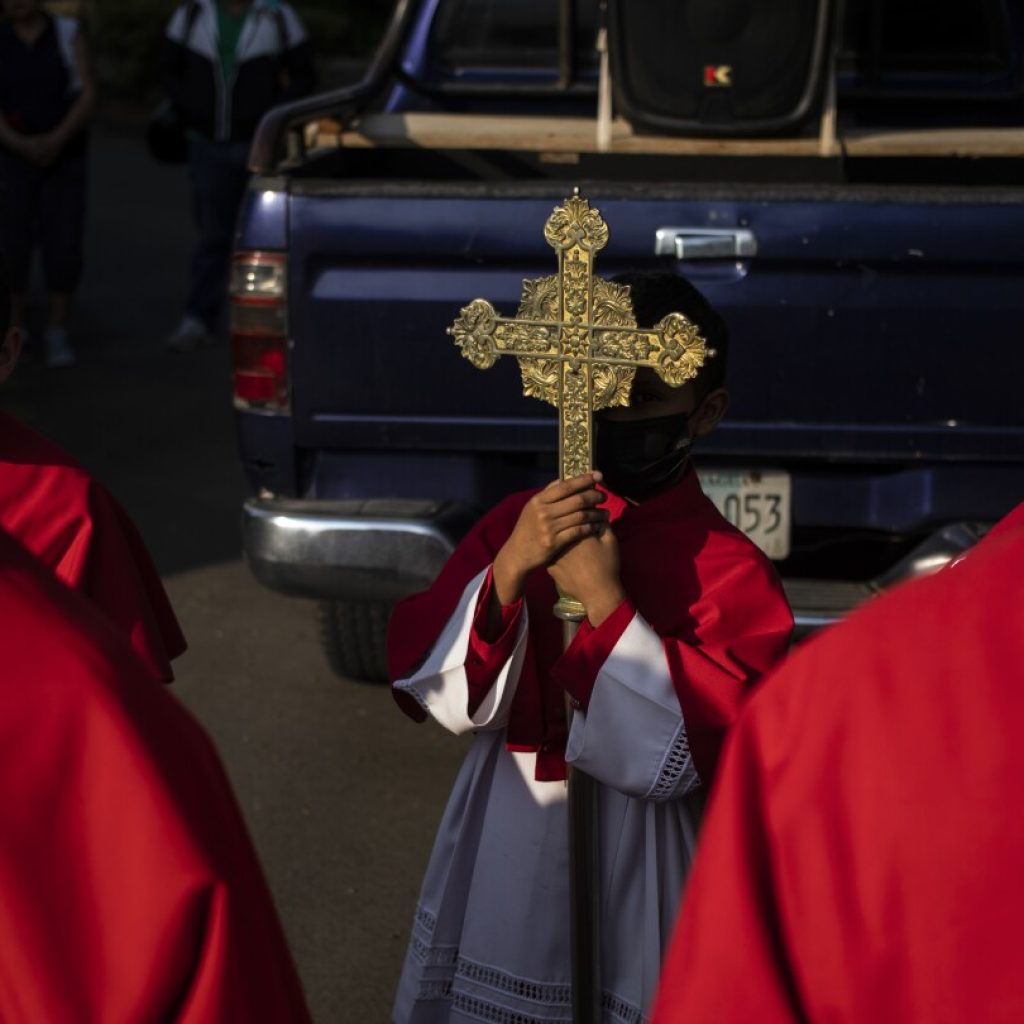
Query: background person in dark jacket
224, 63
46, 99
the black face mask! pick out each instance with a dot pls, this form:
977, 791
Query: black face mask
638, 458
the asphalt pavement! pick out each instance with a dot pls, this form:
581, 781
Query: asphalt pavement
341, 792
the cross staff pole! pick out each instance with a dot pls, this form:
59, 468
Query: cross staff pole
578, 346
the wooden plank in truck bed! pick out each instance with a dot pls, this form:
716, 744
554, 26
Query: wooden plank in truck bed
563, 135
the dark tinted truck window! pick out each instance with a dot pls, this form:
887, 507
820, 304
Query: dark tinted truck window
500, 34
939, 36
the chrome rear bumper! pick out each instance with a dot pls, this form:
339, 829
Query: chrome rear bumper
818, 603
349, 550
383, 549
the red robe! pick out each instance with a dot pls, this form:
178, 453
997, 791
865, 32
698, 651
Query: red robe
862, 857
74, 526
129, 888
705, 589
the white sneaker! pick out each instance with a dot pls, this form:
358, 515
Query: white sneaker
190, 335
57, 347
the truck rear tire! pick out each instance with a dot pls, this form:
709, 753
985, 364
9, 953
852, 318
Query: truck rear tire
353, 636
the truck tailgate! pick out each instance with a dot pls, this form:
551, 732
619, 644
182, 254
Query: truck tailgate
848, 324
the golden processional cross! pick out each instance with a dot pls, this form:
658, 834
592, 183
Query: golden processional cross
578, 346
577, 341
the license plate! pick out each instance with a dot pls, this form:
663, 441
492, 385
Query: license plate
756, 502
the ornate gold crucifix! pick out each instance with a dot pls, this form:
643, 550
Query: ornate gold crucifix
577, 341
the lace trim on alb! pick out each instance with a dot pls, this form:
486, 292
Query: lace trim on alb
618, 1009
522, 988
433, 990
450, 973
433, 956
422, 947
484, 1010
675, 765
621, 1011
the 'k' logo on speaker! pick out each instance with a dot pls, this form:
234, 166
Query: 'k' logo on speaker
717, 75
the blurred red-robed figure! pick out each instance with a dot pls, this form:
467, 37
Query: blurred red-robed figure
861, 860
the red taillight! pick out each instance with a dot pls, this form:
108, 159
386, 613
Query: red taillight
259, 331
261, 371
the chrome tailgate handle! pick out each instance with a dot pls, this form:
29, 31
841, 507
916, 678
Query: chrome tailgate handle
705, 243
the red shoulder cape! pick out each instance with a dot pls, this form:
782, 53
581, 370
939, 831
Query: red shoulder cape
74, 526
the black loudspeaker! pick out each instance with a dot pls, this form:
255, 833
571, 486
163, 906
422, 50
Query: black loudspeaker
720, 67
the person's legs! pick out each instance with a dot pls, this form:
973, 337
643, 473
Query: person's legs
219, 177
61, 222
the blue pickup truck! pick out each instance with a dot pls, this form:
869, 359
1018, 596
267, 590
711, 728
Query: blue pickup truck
862, 239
